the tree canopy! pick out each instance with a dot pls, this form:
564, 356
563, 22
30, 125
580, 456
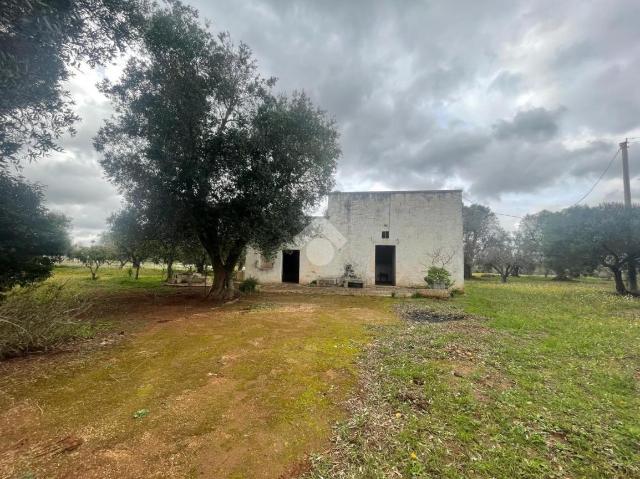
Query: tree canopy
479, 226
578, 239
198, 126
41, 42
30, 235
130, 236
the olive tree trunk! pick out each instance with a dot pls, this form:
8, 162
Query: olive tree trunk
617, 276
632, 277
222, 287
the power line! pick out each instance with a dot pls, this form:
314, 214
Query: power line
583, 196
501, 214
598, 180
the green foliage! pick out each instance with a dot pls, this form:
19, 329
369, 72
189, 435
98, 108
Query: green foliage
31, 237
578, 239
42, 42
529, 237
140, 413
131, 237
438, 276
249, 285
198, 128
39, 318
91, 257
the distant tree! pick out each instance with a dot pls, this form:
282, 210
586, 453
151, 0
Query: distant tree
587, 237
192, 253
196, 123
566, 244
167, 226
129, 234
479, 225
91, 257
113, 254
528, 241
31, 237
500, 254
41, 42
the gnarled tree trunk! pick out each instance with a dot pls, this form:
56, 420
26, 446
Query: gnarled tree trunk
617, 276
136, 265
169, 268
222, 287
632, 277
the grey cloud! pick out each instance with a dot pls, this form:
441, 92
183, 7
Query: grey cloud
72, 182
507, 82
535, 125
432, 94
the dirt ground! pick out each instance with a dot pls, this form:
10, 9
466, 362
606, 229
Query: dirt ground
196, 390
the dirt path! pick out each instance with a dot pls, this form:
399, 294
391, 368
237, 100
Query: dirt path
246, 390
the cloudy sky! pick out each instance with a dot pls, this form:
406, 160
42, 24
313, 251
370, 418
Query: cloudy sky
521, 104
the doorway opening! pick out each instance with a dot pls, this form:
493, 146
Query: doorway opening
291, 266
385, 265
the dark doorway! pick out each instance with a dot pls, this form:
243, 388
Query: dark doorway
291, 266
385, 264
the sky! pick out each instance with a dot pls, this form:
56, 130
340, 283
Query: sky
522, 104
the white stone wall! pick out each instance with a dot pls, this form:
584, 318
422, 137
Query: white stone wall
420, 223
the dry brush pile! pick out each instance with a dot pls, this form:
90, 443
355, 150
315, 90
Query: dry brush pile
40, 318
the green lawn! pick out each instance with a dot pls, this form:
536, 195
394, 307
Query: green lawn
546, 386
541, 381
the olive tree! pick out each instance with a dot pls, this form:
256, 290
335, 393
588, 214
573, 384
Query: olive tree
479, 225
500, 254
31, 236
197, 125
129, 234
585, 237
41, 43
91, 257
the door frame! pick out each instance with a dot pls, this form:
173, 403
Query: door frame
290, 252
392, 280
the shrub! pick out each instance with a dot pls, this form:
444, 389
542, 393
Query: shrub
40, 318
249, 285
438, 276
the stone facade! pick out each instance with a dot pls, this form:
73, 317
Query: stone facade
386, 237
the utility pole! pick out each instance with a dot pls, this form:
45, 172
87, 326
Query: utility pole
624, 147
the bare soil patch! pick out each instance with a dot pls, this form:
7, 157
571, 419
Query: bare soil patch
190, 389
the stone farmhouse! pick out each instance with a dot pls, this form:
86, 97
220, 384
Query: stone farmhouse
372, 238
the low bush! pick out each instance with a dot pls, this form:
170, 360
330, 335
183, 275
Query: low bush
40, 318
438, 278
249, 285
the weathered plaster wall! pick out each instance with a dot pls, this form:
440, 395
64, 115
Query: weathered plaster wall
420, 224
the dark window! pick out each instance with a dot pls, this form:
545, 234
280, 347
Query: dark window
385, 235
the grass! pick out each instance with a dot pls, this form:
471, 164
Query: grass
546, 386
110, 279
192, 389
70, 306
540, 380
